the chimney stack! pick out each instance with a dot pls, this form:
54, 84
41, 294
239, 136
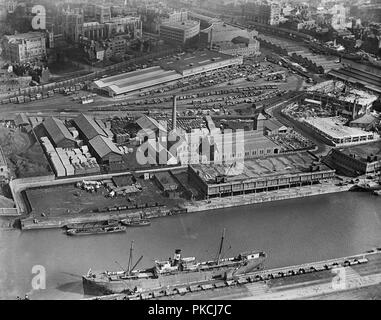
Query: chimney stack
174, 119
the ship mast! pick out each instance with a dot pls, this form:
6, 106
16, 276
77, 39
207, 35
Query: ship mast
130, 258
221, 246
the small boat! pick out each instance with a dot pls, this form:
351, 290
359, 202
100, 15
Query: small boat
136, 222
377, 192
95, 224
99, 230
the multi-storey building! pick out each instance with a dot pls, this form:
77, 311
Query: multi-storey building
179, 33
74, 27
262, 12
25, 47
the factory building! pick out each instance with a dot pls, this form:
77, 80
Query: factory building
364, 159
58, 133
104, 150
336, 134
88, 128
258, 175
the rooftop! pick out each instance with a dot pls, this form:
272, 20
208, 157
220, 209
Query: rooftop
334, 128
194, 60
103, 146
186, 124
184, 25
88, 126
260, 168
57, 130
131, 81
25, 36
361, 151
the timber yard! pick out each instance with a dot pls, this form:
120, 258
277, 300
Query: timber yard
244, 114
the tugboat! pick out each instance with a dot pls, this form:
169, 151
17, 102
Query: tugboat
95, 230
136, 222
171, 272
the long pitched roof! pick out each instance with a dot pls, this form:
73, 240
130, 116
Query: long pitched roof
57, 130
103, 146
88, 126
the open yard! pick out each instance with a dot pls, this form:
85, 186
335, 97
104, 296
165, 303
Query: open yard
68, 199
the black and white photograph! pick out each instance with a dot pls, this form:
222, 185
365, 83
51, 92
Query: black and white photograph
191, 155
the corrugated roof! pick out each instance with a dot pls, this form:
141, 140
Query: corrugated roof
146, 122
103, 146
88, 126
57, 130
273, 124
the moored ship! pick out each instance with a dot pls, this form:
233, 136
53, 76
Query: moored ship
96, 224
135, 222
96, 230
171, 272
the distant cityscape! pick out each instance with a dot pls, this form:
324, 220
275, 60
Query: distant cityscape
125, 111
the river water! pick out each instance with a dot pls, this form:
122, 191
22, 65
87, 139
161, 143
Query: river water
291, 232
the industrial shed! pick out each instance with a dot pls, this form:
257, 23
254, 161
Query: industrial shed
88, 128
58, 133
135, 80
105, 150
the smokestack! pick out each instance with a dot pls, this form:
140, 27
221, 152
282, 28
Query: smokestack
174, 119
177, 257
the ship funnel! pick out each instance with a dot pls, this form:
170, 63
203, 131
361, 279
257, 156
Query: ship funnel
177, 257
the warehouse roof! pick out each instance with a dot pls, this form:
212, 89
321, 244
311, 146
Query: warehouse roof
195, 59
103, 146
88, 126
146, 122
335, 129
140, 79
260, 168
57, 130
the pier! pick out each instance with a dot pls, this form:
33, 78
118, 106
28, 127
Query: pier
307, 280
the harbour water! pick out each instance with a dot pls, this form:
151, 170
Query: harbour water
291, 232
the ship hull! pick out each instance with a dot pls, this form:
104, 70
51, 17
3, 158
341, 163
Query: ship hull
104, 286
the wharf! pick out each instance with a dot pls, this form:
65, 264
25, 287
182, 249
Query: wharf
61, 221
194, 206
309, 280
277, 195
